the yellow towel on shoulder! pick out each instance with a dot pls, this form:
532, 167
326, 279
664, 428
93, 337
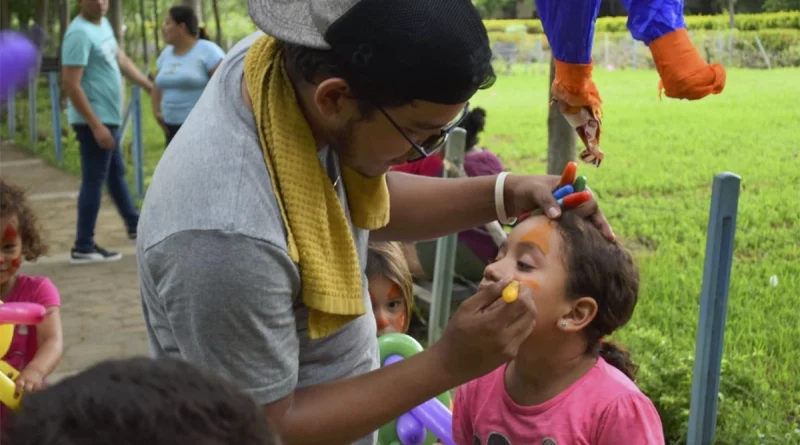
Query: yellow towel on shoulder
318, 234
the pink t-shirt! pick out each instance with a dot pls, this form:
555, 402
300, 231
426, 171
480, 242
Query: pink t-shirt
604, 407
25, 343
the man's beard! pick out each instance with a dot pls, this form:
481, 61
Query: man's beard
341, 142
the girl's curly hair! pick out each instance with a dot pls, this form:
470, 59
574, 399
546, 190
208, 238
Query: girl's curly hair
13, 202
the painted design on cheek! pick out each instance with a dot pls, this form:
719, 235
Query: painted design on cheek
16, 262
532, 284
400, 322
9, 234
540, 236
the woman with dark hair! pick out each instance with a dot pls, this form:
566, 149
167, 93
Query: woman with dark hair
184, 68
475, 246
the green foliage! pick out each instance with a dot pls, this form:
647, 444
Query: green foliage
781, 5
488, 8
783, 45
744, 22
654, 187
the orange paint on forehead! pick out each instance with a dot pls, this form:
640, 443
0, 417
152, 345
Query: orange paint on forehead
540, 236
394, 292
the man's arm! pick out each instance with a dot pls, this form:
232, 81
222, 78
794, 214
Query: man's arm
131, 71
74, 57
236, 318
425, 208
71, 77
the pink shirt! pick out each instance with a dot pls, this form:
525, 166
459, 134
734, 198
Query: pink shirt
25, 343
604, 407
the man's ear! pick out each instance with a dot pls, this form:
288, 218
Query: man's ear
334, 101
581, 313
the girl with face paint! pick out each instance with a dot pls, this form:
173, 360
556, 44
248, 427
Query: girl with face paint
390, 287
567, 384
35, 350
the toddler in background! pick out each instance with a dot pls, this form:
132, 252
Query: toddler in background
141, 401
390, 287
35, 350
567, 385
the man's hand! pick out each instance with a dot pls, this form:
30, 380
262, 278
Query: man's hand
527, 193
486, 332
103, 137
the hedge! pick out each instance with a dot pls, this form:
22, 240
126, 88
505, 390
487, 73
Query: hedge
743, 22
782, 45
772, 39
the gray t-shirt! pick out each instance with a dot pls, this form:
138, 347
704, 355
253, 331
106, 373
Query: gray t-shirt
218, 287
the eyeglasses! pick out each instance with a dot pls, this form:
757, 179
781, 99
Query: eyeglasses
432, 144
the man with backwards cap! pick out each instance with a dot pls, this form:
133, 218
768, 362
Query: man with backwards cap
252, 266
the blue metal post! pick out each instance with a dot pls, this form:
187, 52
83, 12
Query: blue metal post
444, 265
32, 112
55, 107
713, 308
12, 115
138, 164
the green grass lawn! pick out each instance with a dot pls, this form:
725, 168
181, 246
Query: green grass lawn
654, 187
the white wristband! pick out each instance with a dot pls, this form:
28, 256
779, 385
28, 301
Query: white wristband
499, 200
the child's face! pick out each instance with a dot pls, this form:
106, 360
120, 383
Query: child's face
388, 305
10, 248
532, 256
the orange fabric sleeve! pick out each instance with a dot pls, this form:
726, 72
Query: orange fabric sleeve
684, 74
573, 85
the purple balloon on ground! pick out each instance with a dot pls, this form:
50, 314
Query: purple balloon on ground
409, 430
18, 58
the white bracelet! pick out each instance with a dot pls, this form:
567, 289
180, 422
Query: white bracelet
499, 200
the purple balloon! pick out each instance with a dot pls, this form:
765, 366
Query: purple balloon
437, 418
18, 58
409, 430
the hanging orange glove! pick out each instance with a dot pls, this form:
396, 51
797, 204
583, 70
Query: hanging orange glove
684, 74
580, 104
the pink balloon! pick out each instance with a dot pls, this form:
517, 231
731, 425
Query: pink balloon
22, 313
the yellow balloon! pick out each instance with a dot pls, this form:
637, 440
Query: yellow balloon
7, 386
511, 292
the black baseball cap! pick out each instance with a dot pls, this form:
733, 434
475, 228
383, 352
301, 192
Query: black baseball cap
433, 50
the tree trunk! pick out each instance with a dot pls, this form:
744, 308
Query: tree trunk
217, 21
561, 136
115, 17
157, 27
63, 22
145, 51
5, 15
40, 13
197, 5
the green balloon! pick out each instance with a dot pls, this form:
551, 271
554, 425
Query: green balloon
404, 346
580, 184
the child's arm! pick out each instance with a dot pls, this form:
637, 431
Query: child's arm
630, 419
50, 340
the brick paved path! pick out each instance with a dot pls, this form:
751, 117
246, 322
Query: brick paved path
101, 311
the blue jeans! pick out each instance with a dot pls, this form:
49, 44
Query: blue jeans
98, 167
